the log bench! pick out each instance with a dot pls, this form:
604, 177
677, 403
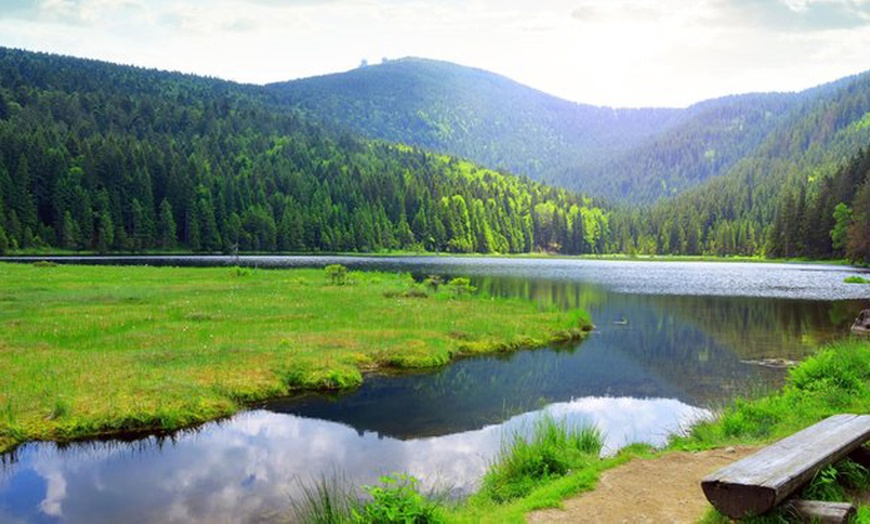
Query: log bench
758, 483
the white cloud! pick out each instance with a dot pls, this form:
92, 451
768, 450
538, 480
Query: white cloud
613, 52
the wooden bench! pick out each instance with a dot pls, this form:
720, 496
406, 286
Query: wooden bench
758, 483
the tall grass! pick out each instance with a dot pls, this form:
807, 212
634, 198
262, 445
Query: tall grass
552, 450
835, 380
395, 499
325, 500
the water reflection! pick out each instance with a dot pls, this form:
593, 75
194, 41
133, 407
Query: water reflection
754, 327
248, 468
635, 360
671, 339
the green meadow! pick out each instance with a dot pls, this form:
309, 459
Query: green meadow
94, 351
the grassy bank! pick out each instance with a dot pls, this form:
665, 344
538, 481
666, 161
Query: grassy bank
835, 380
90, 351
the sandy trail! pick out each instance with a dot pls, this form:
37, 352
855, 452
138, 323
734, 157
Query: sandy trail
662, 489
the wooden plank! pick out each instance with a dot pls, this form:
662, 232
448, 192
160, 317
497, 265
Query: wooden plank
756, 484
820, 512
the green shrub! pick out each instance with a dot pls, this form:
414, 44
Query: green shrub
856, 280
337, 274
460, 287
434, 282
238, 271
397, 499
411, 292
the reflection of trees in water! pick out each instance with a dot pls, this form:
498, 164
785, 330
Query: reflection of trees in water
466, 395
752, 327
688, 348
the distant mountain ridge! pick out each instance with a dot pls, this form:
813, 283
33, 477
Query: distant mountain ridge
97, 156
474, 114
626, 155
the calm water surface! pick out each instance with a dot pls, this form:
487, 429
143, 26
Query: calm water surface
673, 340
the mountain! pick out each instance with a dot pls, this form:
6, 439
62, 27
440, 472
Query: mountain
633, 155
96, 156
709, 139
475, 114
778, 200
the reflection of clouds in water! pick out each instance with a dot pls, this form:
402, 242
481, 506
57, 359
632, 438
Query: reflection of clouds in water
54, 495
249, 467
627, 420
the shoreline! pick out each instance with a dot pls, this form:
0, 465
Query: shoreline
261, 353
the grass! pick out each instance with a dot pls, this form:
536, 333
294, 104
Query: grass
854, 279
546, 493
395, 499
535, 469
552, 450
836, 380
325, 500
91, 351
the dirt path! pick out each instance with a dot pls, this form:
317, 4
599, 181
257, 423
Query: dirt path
663, 489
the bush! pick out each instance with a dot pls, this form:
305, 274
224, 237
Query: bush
460, 287
237, 271
337, 274
397, 499
434, 282
856, 280
411, 292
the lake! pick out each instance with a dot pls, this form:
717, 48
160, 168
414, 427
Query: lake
673, 341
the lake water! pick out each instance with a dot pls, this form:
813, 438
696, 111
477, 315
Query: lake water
673, 341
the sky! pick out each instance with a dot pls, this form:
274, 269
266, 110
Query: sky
618, 53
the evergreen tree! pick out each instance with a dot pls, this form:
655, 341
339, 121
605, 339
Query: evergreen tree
166, 225
842, 219
69, 232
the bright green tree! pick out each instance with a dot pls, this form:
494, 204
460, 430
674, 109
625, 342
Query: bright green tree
842, 218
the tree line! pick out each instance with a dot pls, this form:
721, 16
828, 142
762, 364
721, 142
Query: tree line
106, 158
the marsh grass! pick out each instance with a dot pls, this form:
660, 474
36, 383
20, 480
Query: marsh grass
90, 351
552, 450
835, 380
326, 500
396, 498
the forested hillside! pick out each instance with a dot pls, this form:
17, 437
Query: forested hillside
625, 155
478, 115
95, 156
711, 138
778, 201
